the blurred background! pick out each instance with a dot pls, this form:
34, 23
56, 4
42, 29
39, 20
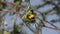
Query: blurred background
50, 8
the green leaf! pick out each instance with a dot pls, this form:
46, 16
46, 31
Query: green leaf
27, 12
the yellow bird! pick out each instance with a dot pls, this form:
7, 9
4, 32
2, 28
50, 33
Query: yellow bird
31, 16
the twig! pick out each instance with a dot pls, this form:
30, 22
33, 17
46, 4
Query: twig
30, 29
14, 5
52, 28
44, 20
51, 24
7, 11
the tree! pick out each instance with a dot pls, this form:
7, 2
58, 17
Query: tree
30, 15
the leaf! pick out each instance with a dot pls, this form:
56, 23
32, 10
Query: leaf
27, 11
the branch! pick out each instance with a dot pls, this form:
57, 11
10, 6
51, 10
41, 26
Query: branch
30, 29
51, 24
44, 19
7, 11
14, 5
52, 28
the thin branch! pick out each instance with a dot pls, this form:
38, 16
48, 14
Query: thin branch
44, 19
30, 29
51, 24
26, 25
52, 28
7, 11
14, 5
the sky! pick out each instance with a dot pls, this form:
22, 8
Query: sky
42, 9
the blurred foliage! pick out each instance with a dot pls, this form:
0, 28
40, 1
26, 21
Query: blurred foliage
6, 32
12, 19
0, 19
18, 1
16, 29
12, 13
0, 9
57, 10
0, 31
3, 5
4, 22
27, 16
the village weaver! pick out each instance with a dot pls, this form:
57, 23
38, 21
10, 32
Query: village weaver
31, 16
